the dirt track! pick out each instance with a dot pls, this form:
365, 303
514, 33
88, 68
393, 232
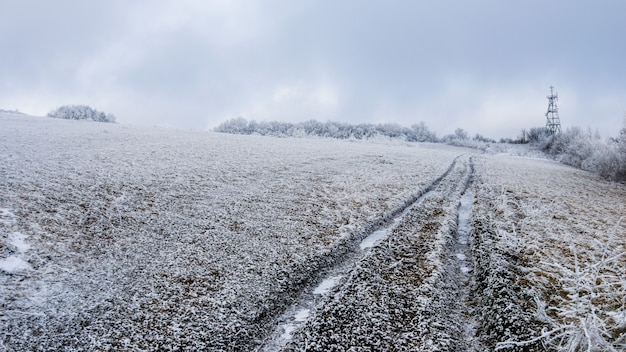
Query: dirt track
418, 290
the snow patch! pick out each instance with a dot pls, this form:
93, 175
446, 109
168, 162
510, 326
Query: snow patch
16, 263
13, 264
374, 238
18, 241
7, 217
465, 209
288, 329
302, 315
327, 285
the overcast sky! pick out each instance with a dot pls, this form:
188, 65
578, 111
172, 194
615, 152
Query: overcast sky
485, 66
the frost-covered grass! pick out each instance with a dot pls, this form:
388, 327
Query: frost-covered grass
154, 239
561, 237
116, 237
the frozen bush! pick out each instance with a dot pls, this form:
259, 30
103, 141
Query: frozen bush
423, 134
536, 134
81, 112
480, 138
587, 151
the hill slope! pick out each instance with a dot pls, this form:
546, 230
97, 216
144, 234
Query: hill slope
119, 237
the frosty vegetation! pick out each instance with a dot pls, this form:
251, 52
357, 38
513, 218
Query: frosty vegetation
116, 237
338, 130
152, 239
330, 129
556, 247
80, 112
588, 151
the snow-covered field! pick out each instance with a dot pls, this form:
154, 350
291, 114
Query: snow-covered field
117, 237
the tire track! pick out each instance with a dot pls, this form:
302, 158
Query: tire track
459, 274
505, 303
379, 271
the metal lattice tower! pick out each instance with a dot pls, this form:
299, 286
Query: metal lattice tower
553, 122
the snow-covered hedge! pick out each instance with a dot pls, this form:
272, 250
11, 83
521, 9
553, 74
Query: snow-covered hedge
81, 112
330, 129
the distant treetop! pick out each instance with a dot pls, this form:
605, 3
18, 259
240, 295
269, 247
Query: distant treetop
12, 112
81, 112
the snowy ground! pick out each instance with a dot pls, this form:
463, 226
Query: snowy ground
116, 237
550, 248
152, 238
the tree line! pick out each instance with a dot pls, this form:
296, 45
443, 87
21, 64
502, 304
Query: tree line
331, 129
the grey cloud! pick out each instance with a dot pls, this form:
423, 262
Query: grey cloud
481, 65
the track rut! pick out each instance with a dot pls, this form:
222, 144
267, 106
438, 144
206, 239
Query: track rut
382, 294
